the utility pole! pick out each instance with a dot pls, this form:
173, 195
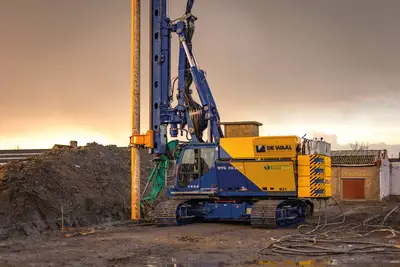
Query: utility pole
135, 156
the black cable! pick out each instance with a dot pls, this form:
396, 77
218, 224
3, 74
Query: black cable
317, 243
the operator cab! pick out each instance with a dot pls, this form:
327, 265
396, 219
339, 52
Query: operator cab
196, 161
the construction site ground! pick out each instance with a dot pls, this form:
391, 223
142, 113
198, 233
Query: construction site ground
209, 244
71, 207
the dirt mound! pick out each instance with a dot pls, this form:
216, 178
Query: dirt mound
91, 184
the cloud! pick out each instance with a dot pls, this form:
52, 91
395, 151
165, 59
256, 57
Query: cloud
326, 65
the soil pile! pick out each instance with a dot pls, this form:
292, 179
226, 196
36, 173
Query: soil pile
91, 184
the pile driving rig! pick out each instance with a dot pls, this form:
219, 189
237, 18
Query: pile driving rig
268, 181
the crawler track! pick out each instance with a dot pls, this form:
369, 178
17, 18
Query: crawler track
165, 212
269, 214
263, 214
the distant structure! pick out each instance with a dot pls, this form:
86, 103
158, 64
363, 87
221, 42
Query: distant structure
360, 175
242, 128
72, 144
18, 154
395, 178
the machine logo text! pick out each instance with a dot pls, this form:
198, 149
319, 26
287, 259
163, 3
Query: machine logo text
264, 148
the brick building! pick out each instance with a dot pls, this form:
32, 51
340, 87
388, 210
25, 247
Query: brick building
360, 175
241, 128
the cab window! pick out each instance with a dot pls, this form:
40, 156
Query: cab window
195, 163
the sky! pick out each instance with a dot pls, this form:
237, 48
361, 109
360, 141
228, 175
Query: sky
322, 67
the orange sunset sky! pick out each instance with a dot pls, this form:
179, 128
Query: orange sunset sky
327, 68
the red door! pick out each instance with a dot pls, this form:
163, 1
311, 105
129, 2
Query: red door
353, 188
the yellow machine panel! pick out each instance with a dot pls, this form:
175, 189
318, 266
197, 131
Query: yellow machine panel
276, 146
314, 176
269, 176
238, 147
313, 171
261, 147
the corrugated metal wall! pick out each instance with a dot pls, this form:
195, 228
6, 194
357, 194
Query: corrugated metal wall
384, 178
395, 179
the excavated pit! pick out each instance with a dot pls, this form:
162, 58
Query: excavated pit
90, 185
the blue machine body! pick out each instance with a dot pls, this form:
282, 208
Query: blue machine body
163, 114
231, 211
229, 192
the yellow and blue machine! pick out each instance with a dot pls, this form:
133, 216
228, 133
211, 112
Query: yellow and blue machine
268, 181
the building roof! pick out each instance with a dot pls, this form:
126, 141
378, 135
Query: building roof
242, 123
351, 157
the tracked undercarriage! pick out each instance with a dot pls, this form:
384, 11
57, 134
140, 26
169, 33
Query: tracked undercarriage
268, 213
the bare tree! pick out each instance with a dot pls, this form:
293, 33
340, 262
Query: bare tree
359, 146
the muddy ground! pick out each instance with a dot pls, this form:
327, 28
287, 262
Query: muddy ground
207, 244
90, 187
85, 185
